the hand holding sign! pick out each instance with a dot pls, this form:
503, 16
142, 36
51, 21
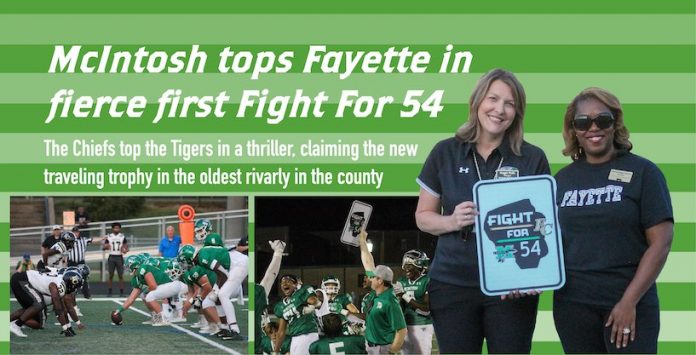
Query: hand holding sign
464, 214
357, 220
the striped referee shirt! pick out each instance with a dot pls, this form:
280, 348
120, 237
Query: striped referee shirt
77, 254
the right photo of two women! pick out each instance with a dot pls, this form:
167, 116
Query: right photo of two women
412, 280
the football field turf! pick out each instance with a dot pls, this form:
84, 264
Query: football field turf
101, 336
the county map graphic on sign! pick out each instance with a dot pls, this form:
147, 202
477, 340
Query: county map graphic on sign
517, 235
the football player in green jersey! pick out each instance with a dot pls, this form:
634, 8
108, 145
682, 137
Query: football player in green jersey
296, 315
385, 327
270, 331
413, 291
201, 281
334, 342
231, 269
334, 302
159, 285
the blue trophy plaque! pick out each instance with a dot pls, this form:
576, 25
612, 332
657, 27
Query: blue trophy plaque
518, 236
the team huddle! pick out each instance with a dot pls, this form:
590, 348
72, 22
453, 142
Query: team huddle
205, 278
393, 315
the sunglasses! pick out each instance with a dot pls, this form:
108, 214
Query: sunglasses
603, 121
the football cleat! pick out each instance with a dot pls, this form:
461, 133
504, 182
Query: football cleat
230, 335
159, 321
17, 330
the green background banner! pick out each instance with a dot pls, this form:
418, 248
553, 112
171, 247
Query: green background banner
643, 51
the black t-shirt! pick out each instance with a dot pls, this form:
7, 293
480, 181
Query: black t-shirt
82, 219
604, 210
449, 174
49, 241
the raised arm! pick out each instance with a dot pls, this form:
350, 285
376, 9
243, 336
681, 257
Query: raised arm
365, 256
273, 269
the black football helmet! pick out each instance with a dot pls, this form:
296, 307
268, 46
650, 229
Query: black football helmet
68, 238
73, 281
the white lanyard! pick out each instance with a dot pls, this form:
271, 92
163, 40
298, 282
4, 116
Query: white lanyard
477, 168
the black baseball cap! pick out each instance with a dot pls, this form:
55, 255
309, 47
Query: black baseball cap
244, 241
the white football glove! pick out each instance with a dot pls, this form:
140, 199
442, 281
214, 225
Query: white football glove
398, 288
278, 246
408, 296
308, 309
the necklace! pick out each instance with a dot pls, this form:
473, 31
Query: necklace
478, 173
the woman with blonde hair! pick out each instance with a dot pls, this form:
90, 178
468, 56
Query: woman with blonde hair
616, 220
489, 145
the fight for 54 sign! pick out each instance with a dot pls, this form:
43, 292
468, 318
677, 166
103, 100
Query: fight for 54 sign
518, 236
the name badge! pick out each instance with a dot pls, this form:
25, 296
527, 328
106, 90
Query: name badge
507, 172
620, 175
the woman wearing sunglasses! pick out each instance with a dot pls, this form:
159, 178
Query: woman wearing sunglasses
616, 219
489, 145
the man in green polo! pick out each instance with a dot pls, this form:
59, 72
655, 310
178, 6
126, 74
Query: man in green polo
385, 327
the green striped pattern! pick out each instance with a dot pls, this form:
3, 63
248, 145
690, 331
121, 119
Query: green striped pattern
644, 51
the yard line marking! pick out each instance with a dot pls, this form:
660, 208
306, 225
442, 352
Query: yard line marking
199, 337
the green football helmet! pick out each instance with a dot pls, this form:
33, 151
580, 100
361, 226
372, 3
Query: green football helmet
331, 285
133, 262
416, 258
186, 254
202, 228
173, 269
154, 261
213, 240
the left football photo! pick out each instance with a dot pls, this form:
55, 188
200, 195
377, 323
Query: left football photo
129, 275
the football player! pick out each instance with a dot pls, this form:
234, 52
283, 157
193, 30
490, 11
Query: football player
333, 342
70, 298
160, 284
270, 334
412, 289
200, 281
34, 291
231, 269
296, 315
53, 257
333, 302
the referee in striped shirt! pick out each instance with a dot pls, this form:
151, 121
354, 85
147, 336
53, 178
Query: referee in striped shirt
77, 256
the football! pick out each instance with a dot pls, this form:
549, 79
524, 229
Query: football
116, 318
